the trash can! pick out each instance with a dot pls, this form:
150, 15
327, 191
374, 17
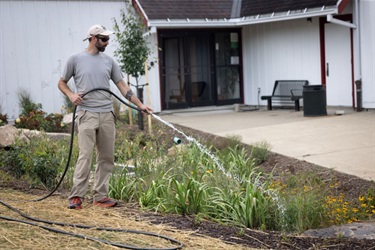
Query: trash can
314, 100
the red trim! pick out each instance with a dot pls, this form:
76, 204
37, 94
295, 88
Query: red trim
322, 21
342, 5
140, 13
352, 63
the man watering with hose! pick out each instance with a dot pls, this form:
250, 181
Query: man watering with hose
95, 119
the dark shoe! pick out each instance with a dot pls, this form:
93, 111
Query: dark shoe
106, 203
75, 203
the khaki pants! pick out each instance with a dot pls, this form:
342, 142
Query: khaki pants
94, 129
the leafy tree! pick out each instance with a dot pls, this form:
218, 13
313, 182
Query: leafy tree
133, 50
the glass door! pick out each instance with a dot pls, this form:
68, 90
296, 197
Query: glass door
200, 68
173, 73
228, 69
187, 71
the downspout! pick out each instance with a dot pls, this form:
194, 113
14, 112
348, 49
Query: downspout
331, 19
358, 82
358, 35
340, 7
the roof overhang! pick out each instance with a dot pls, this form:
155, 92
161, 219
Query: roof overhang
238, 22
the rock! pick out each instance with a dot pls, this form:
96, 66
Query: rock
9, 134
68, 118
359, 230
34, 133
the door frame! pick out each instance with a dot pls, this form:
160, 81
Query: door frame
180, 33
322, 22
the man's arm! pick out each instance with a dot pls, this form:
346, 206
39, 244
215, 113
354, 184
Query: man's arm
129, 95
64, 88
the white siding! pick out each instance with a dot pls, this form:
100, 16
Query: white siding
367, 22
37, 37
277, 51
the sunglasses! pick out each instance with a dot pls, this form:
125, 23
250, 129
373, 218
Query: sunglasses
104, 39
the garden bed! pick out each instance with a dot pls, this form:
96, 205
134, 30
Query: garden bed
193, 229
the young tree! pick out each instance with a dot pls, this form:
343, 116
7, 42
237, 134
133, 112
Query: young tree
133, 50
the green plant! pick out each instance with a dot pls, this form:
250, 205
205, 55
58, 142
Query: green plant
122, 185
133, 49
240, 162
39, 120
260, 151
39, 161
190, 182
186, 197
249, 206
34, 118
26, 103
3, 119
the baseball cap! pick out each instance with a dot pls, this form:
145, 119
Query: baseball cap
98, 30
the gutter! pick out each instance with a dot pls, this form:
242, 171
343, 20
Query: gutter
237, 22
340, 7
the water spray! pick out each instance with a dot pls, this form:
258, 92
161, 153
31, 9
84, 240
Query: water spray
204, 149
176, 141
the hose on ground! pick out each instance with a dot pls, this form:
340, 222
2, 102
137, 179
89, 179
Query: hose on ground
179, 245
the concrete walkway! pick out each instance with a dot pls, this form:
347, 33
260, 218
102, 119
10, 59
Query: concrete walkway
345, 142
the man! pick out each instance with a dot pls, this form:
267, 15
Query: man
95, 119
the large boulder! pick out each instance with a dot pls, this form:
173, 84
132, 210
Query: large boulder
35, 133
9, 134
68, 118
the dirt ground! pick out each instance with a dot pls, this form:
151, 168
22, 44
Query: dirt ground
246, 238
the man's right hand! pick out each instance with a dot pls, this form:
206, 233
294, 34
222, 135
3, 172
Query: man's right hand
75, 98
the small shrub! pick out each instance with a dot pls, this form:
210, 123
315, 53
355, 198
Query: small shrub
3, 119
34, 118
26, 103
39, 162
39, 120
121, 185
260, 151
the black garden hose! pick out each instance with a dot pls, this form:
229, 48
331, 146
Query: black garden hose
179, 245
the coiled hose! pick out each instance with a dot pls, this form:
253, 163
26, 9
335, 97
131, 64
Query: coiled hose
179, 245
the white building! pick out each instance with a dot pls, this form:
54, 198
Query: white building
200, 53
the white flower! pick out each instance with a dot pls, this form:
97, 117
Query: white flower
62, 124
18, 120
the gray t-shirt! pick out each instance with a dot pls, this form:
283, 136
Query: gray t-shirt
89, 72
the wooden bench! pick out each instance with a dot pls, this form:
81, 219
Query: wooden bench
286, 90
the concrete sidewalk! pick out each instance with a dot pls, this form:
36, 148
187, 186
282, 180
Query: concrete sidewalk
345, 143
